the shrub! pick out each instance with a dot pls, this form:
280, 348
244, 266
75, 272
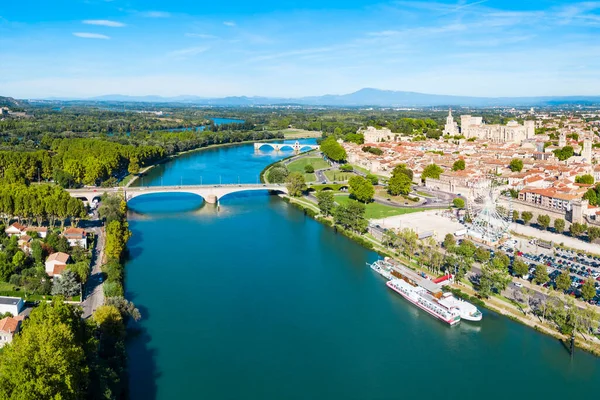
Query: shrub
113, 289
309, 169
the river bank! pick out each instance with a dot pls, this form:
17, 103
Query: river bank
497, 304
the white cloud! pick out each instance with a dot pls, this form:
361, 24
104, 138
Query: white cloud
201, 36
155, 14
104, 22
229, 23
87, 35
188, 52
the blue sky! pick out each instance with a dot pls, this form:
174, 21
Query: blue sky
289, 49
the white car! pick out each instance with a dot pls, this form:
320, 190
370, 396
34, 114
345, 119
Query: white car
518, 284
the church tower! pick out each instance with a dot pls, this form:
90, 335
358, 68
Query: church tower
451, 127
587, 150
562, 140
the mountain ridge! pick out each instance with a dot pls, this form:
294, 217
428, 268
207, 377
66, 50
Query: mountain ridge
363, 97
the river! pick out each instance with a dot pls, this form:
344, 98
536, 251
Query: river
257, 301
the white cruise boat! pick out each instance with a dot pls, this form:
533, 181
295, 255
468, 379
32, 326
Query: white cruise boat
383, 268
466, 310
420, 297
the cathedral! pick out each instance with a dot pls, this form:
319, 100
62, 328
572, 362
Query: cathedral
474, 127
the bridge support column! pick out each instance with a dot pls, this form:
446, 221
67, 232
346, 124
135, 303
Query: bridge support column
211, 198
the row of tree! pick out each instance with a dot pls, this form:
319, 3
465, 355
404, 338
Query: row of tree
36, 204
544, 221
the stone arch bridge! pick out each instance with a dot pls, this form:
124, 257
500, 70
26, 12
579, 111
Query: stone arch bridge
296, 147
210, 193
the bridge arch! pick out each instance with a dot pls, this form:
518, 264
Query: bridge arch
132, 195
281, 190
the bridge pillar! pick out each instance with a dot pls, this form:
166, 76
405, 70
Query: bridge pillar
211, 198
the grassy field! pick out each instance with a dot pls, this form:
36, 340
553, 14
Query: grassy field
336, 175
300, 133
423, 194
378, 211
383, 194
298, 165
310, 177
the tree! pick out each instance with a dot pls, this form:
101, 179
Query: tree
402, 169
515, 215
459, 165
109, 320
277, 174
373, 179
543, 221
526, 216
577, 229
309, 169
559, 225
431, 171
19, 260
593, 233
564, 153
37, 251
516, 165
399, 184
134, 166
449, 241
586, 179
333, 150
81, 270
458, 202
361, 189
47, 360
540, 275
591, 196
111, 208
481, 255
351, 216
295, 184
326, 202
588, 290
563, 281
117, 235
126, 307
66, 285
520, 268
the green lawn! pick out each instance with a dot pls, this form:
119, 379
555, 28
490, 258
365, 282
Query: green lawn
378, 211
298, 165
423, 194
336, 176
310, 177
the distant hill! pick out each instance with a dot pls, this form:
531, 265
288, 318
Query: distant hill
361, 98
10, 102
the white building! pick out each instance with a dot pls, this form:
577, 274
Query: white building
451, 127
513, 132
13, 305
56, 263
16, 229
374, 135
9, 326
76, 237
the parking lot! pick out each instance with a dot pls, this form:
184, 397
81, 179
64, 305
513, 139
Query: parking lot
580, 266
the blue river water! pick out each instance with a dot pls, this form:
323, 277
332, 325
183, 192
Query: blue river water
255, 300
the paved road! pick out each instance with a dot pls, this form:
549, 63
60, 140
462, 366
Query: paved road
94, 292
